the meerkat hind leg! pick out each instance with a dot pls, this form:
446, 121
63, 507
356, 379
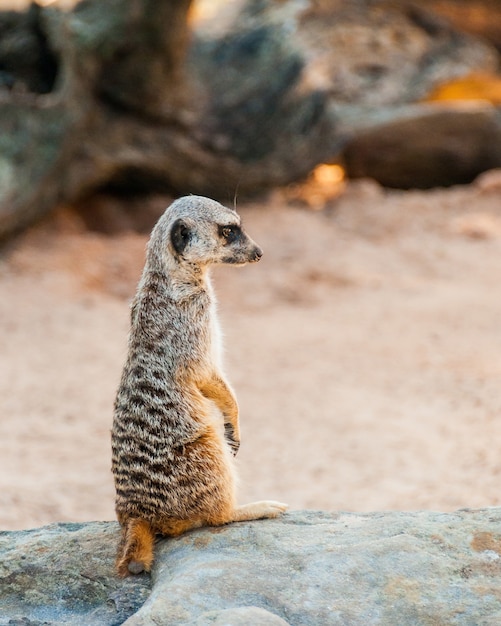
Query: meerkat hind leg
174, 527
135, 552
257, 510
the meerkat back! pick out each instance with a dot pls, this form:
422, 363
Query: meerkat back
171, 460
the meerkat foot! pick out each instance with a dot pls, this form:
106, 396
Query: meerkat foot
135, 567
258, 510
135, 553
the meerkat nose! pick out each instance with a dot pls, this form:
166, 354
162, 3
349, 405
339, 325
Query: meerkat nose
258, 253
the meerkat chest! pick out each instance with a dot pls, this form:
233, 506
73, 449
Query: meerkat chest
215, 334
193, 334
216, 339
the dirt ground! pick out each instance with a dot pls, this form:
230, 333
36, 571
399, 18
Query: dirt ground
365, 349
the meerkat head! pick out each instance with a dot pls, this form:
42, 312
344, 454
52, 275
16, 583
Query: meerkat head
200, 232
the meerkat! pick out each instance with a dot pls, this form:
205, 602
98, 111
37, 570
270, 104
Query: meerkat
175, 428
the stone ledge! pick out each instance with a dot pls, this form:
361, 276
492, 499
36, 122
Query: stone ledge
308, 568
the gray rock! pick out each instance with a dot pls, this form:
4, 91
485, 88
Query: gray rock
393, 569
243, 616
63, 574
427, 145
308, 568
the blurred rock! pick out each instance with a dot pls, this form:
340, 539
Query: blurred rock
111, 214
27, 62
428, 146
375, 61
382, 53
478, 17
256, 103
357, 52
489, 181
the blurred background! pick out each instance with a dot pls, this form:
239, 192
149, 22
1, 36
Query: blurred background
361, 142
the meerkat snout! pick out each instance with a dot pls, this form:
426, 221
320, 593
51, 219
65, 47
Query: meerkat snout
258, 253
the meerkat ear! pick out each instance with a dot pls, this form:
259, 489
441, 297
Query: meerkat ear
180, 235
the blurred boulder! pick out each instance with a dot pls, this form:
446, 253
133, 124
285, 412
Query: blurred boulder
427, 146
481, 18
378, 53
28, 64
130, 98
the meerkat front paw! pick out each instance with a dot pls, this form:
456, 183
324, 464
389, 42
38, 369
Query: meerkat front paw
231, 440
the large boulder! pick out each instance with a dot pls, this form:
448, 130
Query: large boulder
308, 568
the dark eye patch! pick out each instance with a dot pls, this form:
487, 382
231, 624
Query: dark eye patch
230, 233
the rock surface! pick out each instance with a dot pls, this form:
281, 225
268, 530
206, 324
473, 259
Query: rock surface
63, 574
309, 568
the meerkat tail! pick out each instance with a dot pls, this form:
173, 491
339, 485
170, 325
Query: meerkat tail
135, 552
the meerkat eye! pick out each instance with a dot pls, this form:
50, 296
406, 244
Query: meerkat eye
230, 233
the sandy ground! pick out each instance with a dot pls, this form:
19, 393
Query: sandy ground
365, 349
